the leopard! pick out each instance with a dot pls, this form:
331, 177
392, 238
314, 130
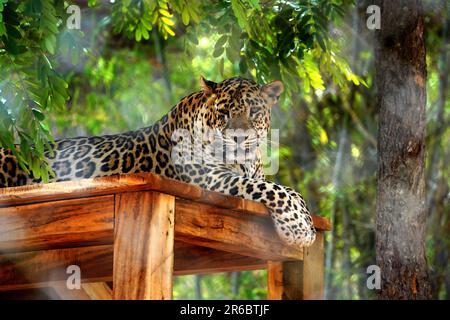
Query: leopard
237, 104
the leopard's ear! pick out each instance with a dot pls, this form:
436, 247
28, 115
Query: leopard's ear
208, 87
273, 89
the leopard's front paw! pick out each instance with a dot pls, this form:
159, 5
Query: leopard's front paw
293, 223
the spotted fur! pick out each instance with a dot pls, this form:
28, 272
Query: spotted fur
235, 103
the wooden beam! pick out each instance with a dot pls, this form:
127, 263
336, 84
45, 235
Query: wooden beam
119, 184
41, 293
244, 234
63, 293
88, 291
69, 223
143, 246
57, 224
190, 259
97, 290
132, 183
41, 268
298, 280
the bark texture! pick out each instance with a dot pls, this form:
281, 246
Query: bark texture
401, 211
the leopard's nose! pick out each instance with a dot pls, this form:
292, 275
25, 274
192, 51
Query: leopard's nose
239, 122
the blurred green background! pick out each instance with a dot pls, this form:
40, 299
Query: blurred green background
131, 61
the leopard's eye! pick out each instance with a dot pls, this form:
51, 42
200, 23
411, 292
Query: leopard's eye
224, 114
253, 111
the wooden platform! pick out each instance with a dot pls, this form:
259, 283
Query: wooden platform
138, 231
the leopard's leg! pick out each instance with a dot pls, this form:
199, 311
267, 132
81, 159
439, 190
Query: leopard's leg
288, 211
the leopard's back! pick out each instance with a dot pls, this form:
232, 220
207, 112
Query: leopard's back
88, 157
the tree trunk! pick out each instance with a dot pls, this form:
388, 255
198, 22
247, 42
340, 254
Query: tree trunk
401, 212
198, 287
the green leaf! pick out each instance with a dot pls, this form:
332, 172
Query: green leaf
193, 13
138, 34
165, 13
168, 30
49, 44
321, 41
221, 41
239, 13
145, 33
218, 52
221, 67
167, 21
355, 79
185, 16
38, 114
232, 55
255, 4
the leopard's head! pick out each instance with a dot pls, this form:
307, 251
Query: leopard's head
240, 105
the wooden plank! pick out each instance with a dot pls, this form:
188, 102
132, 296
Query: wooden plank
143, 246
41, 293
298, 280
88, 291
118, 184
43, 268
63, 293
57, 224
39, 268
97, 290
216, 228
79, 188
191, 259
131, 183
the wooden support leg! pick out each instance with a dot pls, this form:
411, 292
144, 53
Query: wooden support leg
143, 246
298, 280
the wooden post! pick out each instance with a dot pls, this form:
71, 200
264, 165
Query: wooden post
143, 246
298, 280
